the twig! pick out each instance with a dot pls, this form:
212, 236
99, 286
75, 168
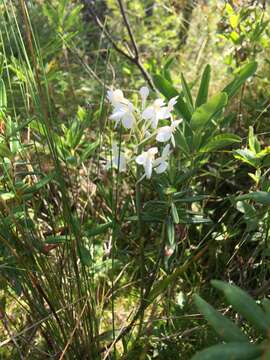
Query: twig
73, 331
134, 58
127, 24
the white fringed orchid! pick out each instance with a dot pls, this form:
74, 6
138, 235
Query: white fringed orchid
165, 133
161, 163
144, 92
118, 160
146, 159
158, 111
124, 113
116, 98
172, 102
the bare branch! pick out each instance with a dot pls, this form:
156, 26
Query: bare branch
135, 59
127, 24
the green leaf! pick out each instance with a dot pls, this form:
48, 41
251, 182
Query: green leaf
244, 305
203, 114
7, 196
250, 214
220, 141
253, 142
159, 287
167, 89
229, 9
3, 96
187, 93
40, 184
234, 20
88, 151
243, 74
247, 156
204, 86
58, 239
174, 213
192, 199
225, 328
99, 229
266, 307
231, 351
181, 142
85, 255
261, 197
170, 231
166, 69
5, 151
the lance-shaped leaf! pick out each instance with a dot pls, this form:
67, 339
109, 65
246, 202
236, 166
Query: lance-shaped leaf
261, 197
220, 141
187, 93
233, 351
3, 97
243, 74
204, 86
170, 231
168, 90
244, 305
206, 112
225, 328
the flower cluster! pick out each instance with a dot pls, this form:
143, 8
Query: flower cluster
144, 121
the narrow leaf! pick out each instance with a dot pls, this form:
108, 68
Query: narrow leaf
187, 93
3, 96
220, 141
167, 89
261, 197
170, 231
244, 73
204, 86
206, 112
244, 305
233, 351
224, 327
99, 229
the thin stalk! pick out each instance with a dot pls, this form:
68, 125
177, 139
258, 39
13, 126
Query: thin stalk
140, 238
114, 233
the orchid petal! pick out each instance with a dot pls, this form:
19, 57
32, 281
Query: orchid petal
141, 159
144, 92
128, 121
148, 168
164, 134
148, 113
166, 151
162, 167
172, 102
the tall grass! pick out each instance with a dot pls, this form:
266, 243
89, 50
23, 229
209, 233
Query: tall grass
61, 298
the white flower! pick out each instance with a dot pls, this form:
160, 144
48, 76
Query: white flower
144, 92
155, 112
165, 133
118, 160
161, 163
158, 111
146, 159
124, 113
172, 102
116, 98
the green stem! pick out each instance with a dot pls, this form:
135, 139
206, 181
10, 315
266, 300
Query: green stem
140, 238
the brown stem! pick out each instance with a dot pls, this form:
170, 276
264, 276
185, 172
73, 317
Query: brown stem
135, 59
